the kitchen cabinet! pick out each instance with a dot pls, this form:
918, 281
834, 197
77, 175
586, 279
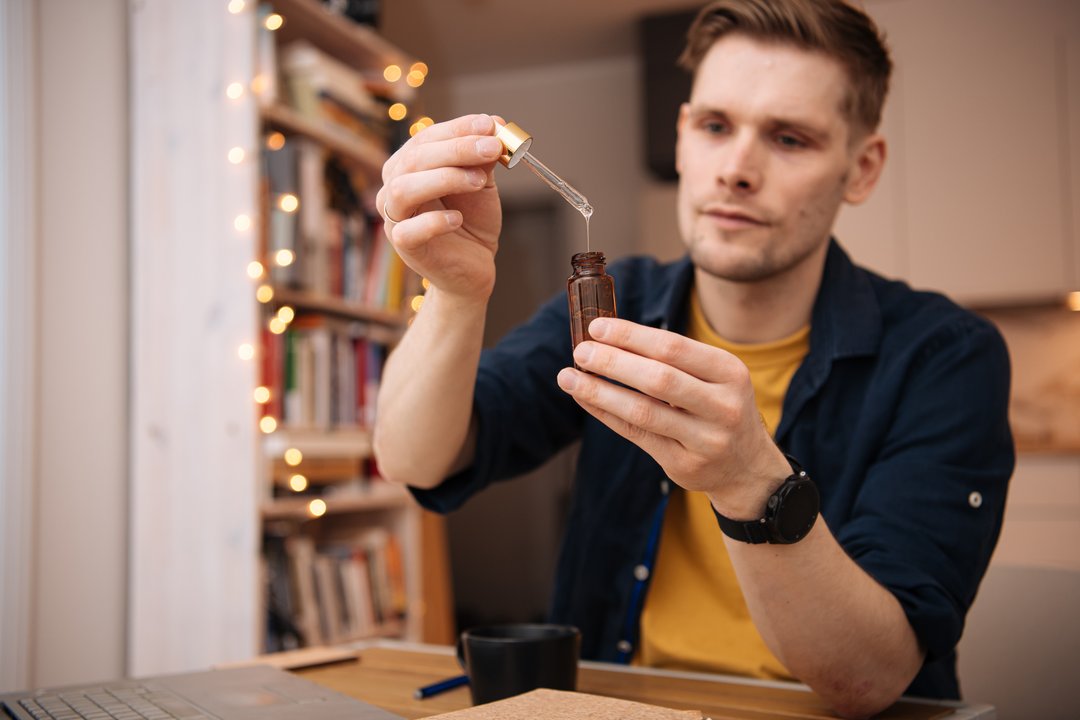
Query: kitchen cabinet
978, 197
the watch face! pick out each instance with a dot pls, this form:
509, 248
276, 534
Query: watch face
797, 511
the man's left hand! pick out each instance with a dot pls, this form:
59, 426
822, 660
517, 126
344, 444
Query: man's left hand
693, 412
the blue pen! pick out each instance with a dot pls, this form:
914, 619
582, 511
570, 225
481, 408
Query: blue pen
441, 686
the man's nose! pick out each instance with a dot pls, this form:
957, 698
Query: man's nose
740, 168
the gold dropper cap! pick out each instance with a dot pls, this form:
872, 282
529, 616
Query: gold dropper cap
516, 143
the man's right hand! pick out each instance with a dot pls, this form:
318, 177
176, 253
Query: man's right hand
442, 208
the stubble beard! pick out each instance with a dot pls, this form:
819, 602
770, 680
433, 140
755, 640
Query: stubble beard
733, 261
757, 256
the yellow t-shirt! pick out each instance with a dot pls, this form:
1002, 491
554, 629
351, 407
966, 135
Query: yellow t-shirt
695, 617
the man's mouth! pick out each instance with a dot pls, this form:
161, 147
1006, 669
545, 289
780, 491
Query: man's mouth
732, 218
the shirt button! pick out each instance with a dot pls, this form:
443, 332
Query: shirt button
975, 499
641, 573
665, 487
624, 646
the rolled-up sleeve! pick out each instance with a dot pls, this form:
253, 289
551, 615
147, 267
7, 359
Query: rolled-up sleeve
927, 517
523, 417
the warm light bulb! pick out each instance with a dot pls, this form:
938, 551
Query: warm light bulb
236, 6
258, 84
397, 111
277, 326
267, 424
415, 128
275, 141
273, 21
425, 283
419, 68
255, 271
286, 314
417, 301
242, 223
262, 394
414, 79
298, 483
236, 155
293, 457
392, 73
246, 351
284, 258
426, 121
1073, 301
289, 202
264, 293
235, 90
317, 507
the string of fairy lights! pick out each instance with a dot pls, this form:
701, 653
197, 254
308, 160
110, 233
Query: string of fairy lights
274, 140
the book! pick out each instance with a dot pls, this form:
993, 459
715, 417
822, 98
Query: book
545, 704
357, 584
311, 74
301, 552
331, 599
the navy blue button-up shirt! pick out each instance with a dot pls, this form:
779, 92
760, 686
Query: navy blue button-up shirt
899, 412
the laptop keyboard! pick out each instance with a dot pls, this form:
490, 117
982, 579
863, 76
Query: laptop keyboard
135, 702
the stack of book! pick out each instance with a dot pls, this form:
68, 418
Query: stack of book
322, 373
332, 94
334, 593
330, 234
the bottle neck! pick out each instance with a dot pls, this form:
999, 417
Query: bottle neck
588, 263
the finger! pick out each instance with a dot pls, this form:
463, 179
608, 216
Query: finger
652, 377
410, 235
634, 409
698, 359
460, 133
467, 151
479, 124
657, 446
403, 196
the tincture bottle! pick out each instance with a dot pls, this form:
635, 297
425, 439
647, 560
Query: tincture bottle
591, 293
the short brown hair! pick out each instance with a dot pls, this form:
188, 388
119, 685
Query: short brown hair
832, 27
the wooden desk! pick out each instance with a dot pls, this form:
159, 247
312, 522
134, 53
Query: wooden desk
386, 673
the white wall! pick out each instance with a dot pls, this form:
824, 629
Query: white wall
585, 121
18, 341
81, 515
194, 536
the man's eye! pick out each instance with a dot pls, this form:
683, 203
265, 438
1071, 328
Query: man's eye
713, 127
790, 141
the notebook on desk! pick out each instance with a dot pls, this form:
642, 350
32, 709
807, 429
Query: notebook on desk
247, 693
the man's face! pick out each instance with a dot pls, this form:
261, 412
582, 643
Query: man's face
765, 158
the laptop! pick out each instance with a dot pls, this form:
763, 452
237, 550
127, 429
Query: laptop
246, 693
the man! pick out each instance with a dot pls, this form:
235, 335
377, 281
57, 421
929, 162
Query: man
692, 539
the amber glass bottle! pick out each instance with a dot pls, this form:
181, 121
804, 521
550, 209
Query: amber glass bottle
591, 292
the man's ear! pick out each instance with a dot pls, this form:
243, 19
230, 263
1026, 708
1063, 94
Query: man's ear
680, 127
868, 162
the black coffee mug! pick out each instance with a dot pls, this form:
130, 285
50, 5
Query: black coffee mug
506, 660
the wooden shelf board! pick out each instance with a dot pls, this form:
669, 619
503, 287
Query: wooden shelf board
1030, 446
301, 300
352, 43
316, 443
352, 149
381, 496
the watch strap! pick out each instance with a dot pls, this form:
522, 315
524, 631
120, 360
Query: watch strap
756, 532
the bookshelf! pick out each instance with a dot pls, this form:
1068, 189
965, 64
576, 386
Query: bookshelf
346, 555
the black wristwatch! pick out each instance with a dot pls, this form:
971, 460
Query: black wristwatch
790, 512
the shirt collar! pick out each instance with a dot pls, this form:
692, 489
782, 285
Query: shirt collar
845, 321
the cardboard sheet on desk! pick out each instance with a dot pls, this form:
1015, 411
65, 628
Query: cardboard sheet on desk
551, 704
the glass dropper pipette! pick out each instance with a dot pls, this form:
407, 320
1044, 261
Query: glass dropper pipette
516, 143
